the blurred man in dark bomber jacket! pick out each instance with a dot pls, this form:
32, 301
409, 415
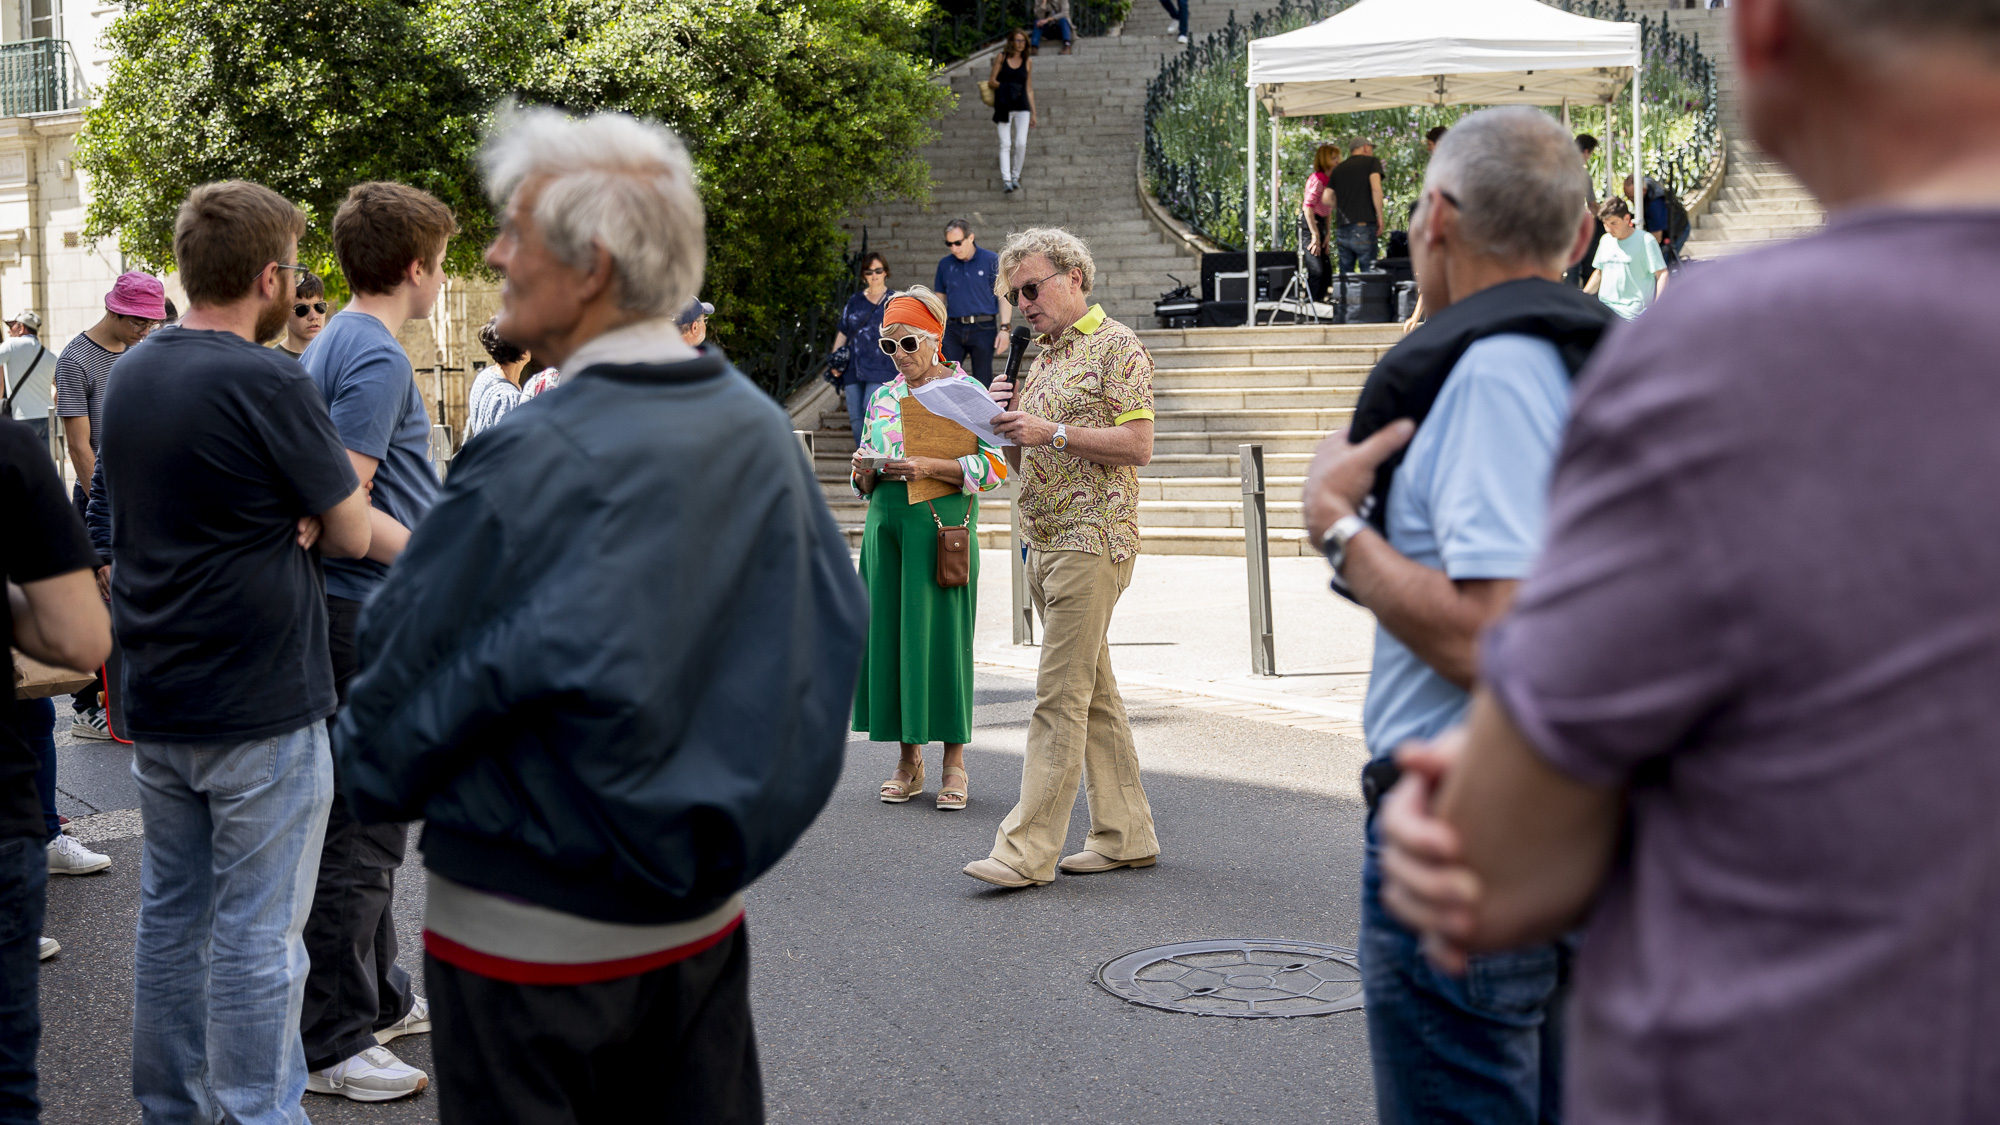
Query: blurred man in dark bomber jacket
612, 670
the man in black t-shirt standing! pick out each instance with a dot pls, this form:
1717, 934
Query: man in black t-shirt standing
52, 613
223, 473
1357, 193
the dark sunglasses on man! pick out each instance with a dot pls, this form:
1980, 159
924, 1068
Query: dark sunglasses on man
317, 306
1032, 290
954, 243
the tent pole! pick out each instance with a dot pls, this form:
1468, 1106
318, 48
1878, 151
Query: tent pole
1274, 183
1250, 193
1566, 127
1638, 157
1610, 146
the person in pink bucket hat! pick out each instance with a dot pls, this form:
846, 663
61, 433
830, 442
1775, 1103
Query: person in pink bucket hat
135, 306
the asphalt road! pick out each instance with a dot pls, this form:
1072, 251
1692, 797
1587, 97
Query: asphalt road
887, 986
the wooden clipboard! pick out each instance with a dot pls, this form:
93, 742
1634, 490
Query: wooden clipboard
927, 435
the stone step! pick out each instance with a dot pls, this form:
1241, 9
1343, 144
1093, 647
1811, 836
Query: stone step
1289, 335
1211, 400
1221, 465
1764, 206
1324, 420
1197, 378
1763, 220
1279, 356
1167, 442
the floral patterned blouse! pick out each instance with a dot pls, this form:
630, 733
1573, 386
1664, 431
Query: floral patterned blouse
882, 431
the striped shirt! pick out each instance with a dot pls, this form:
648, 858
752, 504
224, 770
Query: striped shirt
81, 371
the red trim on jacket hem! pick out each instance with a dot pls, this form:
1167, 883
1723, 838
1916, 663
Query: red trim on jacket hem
587, 972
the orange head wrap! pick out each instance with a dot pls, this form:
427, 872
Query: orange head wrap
916, 314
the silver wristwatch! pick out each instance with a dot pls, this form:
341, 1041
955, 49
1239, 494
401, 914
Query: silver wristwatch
1061, 441
1334, 543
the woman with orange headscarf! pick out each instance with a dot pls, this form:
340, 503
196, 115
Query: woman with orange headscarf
916, 679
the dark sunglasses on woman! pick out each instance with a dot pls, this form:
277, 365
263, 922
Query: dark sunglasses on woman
317, 306
910, 344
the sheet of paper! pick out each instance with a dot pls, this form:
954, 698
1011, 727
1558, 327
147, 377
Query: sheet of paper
961, 399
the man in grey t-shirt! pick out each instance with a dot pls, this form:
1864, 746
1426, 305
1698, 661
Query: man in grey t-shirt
1741, 720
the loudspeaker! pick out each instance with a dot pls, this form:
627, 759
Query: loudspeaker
1224, 314
1233, 287
1271, 281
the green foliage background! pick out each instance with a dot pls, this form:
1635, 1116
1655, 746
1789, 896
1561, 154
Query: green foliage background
795, 111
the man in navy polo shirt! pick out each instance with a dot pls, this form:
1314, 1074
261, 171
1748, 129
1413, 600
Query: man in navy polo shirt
976, 321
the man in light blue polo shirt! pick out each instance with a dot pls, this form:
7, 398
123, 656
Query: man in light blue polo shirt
976, 319
1502, 216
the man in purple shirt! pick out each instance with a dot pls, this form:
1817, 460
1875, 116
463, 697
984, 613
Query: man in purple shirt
1741, 720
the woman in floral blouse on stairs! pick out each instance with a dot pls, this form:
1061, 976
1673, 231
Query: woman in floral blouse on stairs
916, 680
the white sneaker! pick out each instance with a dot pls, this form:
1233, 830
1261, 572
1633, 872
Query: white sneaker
374, 1075
67, 856
1183, 40
91, 724
417, 1022
50, 947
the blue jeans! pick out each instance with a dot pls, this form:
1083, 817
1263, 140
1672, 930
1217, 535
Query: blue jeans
1356, 242
1177, 9
1062, 26
857, 406
972, 346
233, 832
24, 881
38, 729
1482, 1049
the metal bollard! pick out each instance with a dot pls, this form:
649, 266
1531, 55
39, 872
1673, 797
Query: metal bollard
1257, 559
1023, 612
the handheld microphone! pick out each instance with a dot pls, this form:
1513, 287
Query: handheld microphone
1017, 342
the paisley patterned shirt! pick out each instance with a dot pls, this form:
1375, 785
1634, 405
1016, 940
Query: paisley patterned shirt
882, 431
1093, 374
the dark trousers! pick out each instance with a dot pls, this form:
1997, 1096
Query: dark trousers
354, 985
675, 1044
1177, 9
24, 881
1319, 267
38, 729
972, 345
92, 696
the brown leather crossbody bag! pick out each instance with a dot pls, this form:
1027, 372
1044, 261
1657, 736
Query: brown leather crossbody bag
954, 551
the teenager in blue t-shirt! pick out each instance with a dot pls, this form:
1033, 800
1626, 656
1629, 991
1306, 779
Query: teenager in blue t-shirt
390, 241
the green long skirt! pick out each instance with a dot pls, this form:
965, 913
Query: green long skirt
916, 680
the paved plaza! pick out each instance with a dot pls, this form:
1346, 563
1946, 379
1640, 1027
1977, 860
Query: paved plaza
887, 986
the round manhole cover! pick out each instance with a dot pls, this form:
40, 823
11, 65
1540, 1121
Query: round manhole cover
1236, 977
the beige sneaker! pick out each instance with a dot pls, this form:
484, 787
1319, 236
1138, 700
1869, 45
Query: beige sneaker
374, 1075
1090, 863
417, 1022
990, 870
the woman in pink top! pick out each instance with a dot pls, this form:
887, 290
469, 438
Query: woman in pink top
1316, 211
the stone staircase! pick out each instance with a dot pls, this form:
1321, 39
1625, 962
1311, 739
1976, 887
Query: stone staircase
1213, 389
1080, 172
1759, 202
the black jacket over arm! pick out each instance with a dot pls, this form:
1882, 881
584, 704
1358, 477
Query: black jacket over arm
614, 668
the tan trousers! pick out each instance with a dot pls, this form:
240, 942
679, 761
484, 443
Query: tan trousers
1079, 727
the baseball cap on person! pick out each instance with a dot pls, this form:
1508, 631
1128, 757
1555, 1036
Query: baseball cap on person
138, 294
696, 309
31, 320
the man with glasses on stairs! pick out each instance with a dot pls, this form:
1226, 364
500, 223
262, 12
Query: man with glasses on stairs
977, 328
1082, 423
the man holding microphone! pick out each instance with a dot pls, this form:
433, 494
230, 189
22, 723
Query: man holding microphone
1084, 422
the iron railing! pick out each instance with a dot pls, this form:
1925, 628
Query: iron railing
1198, 172
35, 77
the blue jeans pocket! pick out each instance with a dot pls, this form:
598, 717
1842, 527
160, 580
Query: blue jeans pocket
233, 772
1513, 985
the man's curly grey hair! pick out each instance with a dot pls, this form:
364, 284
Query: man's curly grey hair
1064, 251
607, 180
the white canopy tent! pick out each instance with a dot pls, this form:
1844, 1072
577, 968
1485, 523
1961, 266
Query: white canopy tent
1381, 54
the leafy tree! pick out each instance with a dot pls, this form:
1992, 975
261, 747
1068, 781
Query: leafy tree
795, 111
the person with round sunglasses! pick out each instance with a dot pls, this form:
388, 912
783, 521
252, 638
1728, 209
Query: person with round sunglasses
308, 315
916, 679
860, 327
